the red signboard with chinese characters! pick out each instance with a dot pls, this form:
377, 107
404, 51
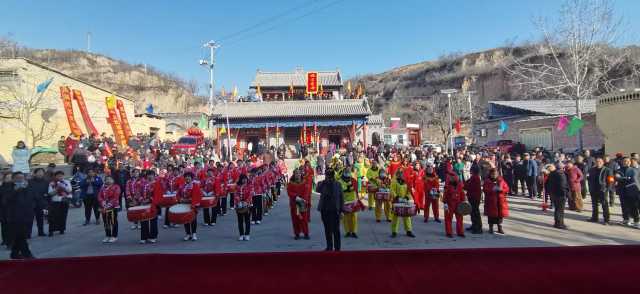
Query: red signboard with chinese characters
312, 83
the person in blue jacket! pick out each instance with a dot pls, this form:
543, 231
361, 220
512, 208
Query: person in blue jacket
89, 189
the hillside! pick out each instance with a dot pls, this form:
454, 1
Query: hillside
400, 91
140, 82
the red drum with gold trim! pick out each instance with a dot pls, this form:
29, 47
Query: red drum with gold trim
168, 200
141, 213
181, 214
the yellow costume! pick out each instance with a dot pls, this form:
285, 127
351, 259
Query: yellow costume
350, 219
399, 193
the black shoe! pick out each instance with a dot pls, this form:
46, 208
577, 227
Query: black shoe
306, 237
377, 221
85, 223
449, 236
469, 229
410, 234
393, 235
296, 237
50, 234
388, 220
490, 231
15, 256
438, 220
41, 234
500, 231
353, 235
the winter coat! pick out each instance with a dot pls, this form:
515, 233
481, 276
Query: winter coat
21, 160
575, 177
495, 202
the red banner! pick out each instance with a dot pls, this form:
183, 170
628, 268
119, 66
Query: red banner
124, 121
77, 95
114, 120
65, 94
312, 83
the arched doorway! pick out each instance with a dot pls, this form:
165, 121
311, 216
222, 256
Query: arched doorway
375, 139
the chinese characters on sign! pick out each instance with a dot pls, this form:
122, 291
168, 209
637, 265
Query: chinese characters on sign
312, 83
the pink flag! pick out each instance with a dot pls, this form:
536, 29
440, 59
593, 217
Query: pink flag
563, 122
395, 123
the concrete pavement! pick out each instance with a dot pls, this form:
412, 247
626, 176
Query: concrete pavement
527, 226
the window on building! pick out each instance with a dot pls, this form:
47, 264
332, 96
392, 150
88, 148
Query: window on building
400, 139
387, 139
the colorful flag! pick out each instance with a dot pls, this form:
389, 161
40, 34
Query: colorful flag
223, 130
258, 91
223, 93
44, 85
202, 124
149, 108
458, 126
503, 128
349, 87
291, 90
235, 91
574, 126
395, 123
562, 123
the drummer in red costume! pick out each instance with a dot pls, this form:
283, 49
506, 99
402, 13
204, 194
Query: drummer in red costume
432, 193
258, 188
190, 193
171, 183
150, 193
243, 198
299, 205
453, 196
309, 179
131, 191
208, 187
394, 165
109, 199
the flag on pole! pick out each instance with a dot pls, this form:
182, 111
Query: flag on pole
503, 128
235, 91
395, 123
562, 123
149, 108
258, 91
574, 126
349, 88
291, 90
44, 85
223, 93
458, 126
223, 130
202, 124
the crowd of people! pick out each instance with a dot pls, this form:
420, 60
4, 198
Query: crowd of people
395, 183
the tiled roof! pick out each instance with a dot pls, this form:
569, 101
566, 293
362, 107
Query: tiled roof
302, 108
549, 107
298, 78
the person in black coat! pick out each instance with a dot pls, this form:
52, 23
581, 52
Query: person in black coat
600, 180
330, 207
21, 204
5, 188
558, 188
40, 186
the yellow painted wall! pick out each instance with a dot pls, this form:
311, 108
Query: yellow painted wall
31, 75
619, 124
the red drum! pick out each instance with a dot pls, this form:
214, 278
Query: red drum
242, 207
354, 206
181, 214
208, 202
141, 213
404, 209
231, 188
168, 200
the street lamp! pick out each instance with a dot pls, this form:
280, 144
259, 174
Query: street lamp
449, 92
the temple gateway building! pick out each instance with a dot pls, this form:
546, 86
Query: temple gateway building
288, 116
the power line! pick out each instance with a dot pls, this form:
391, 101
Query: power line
267, 20
332, 3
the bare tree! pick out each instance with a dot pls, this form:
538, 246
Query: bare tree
22, 107
435, 110
577, 57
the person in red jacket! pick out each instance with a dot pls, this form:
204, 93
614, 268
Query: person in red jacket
299, 205
243, 199
150, 194
131, 191
417, 186
171, 183
190, 193
208, 186
453, 195
394, 165
432, 194
574, 177
473, 186
495, 200
109, 199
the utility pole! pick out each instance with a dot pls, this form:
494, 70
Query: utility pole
212, 45
470, 113
89, 42
449, 92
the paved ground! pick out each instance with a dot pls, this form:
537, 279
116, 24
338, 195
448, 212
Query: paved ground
528, 226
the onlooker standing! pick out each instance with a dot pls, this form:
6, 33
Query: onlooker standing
20, 156
21, 203
60, 193
519, 174
90, 187
575, 177
495, 201
330, 207
40, 187
558, 190
6, 186
613, 166
600, 178
531, 168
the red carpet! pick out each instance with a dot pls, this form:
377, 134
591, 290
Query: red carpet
594, 269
